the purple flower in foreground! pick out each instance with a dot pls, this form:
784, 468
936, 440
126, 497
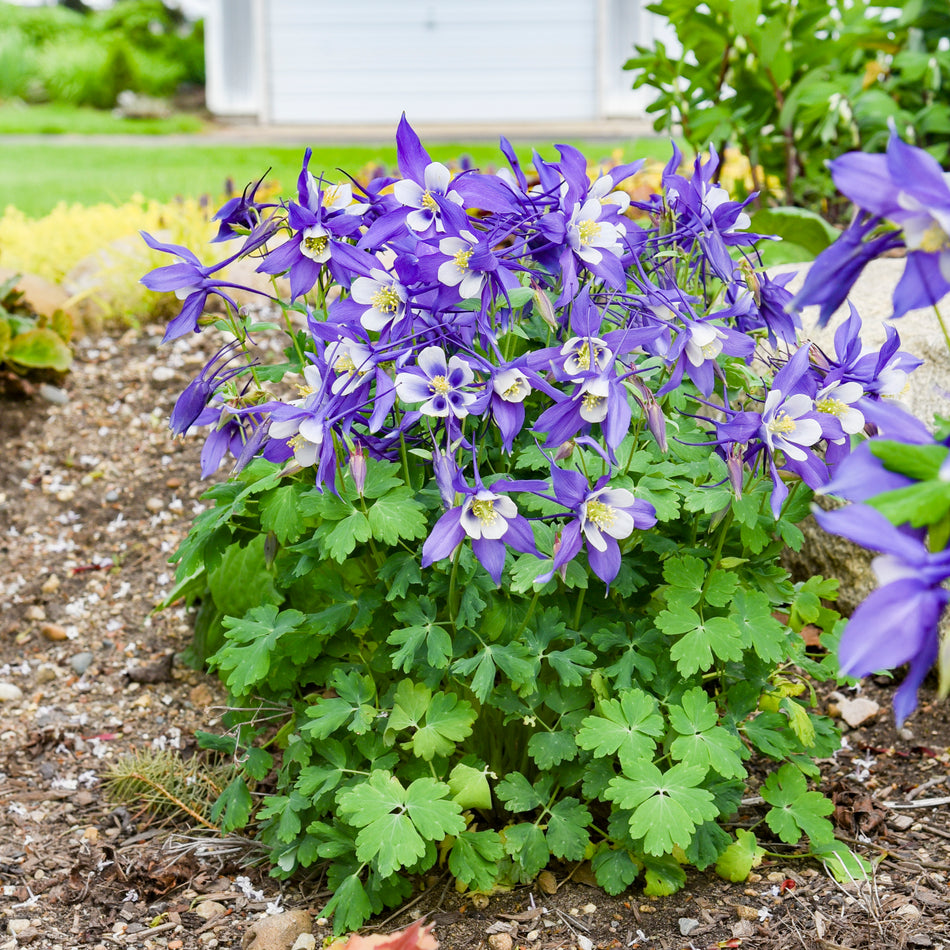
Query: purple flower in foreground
197, 394
602, 517
192, 282
437, 384
490, 519
898, 623
907, 187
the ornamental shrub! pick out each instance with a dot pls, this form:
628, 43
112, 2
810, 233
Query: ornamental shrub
494, 580
795, 84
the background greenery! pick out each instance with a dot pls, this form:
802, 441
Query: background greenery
35, 178
51, 54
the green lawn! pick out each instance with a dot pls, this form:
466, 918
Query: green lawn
57, 118
35, 178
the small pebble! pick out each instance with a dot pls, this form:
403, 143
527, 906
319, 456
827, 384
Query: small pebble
154, 504
305, 942
17, 925
35, 613
53, 394
209, 909
500, 941
81, 662
50, 585
163, 374
687, 925
112, 496
53, 631
10, 693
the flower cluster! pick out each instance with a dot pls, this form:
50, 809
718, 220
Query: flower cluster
486, 322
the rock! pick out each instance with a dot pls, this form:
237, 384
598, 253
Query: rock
17, 925
53, 394
500, 942
47, 673
745, 912
210, 909
81, 662
35, 613
743, 928
10, 693
164, 374
154, 504
50, 585
278, 932
857, 711
42, 296
53, 631
687, 925
305, 942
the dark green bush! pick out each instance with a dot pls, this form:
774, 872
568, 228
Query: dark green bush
795, 84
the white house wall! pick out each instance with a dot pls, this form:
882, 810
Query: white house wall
367, 61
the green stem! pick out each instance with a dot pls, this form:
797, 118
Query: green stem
578, 608
943, 327
453, 593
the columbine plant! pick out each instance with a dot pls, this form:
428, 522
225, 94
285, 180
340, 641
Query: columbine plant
494, 579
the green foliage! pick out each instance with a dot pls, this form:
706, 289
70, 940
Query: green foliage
87, 60
428, 713
795, 84
28, 342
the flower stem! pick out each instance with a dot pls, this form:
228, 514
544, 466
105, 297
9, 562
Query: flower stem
943, 327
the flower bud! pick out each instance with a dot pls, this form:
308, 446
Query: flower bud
562, 570
735, 467
357, 464
564, 451
545, 308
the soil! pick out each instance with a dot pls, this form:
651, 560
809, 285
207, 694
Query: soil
95, 494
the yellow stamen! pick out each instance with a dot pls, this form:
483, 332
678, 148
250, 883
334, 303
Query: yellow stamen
316, 245
711, 350
783, 423
305, 390
439, 385
513, 391
461, 259
345, 364
582, 356
588, 230
592, 401
428, 202
385, 300
602, 515
484, 510
296, 442
834, 407
934, 239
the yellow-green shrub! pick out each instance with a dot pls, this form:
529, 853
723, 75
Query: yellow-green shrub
97, 254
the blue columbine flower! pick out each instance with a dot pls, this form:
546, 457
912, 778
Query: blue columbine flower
602, 517
197, 394
437, 384
490, 520
898, 623
906, 187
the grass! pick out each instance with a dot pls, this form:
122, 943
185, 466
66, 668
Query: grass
35, 178
58, 118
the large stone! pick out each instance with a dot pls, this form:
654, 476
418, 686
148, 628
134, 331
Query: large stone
43, 297
277, 932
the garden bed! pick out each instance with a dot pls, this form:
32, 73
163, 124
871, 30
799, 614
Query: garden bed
94, 496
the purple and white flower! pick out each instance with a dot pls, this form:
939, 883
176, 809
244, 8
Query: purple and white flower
437, 384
